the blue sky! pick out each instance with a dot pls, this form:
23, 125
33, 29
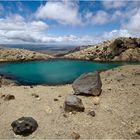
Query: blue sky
65, 21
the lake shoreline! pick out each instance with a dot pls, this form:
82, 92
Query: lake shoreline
17, 79
61, 58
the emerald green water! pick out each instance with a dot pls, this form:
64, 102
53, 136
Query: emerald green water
52, 72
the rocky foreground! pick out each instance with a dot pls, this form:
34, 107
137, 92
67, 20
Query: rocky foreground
120, 49
13, 54
54, 112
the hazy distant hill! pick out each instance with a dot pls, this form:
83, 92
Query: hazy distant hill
51, 49
120, 49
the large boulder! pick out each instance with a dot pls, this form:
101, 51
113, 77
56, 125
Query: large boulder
88, 84
24, 126
73, 103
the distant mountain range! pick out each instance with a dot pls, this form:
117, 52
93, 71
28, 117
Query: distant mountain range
51, 49
120, 49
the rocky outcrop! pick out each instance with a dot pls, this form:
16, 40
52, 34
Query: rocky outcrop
120, 49
13, 54
73, 103
88, 84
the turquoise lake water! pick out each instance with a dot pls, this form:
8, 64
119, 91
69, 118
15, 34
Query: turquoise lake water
52, 72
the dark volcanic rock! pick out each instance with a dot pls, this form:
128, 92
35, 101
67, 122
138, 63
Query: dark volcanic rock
24, 126
88, 84
9, 97
91, 113
73, 103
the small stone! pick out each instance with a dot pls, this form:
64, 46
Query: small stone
59, 96
133, 84
38, 99
60, 106
24, 126
138, 131
75, 135
96, 100
91, 113
35, 95
9, 97
70, 113
2, 96
48, 110
64, 115
73, 103
55, 99
31, 86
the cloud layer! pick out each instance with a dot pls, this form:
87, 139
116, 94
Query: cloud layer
15, 28
64, 12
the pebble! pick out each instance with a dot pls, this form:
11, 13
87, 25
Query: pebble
48, 110
60, 106
31, 86
55, 99
35, 95
138, 131
8, 97
38, 99
133, 84
64, 115
75, 135
109, 88
96, 100
91, 113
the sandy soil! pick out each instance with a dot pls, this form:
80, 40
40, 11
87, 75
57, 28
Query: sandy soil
117, 115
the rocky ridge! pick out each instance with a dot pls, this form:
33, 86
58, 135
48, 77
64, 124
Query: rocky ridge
120, 49
13, 54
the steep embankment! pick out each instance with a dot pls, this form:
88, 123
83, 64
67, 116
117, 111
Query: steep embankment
12, 54
120, 49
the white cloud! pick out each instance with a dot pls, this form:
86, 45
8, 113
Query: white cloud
115, 34
16, 22
114, 4
133, 24
64, 12
100, 18
15, 28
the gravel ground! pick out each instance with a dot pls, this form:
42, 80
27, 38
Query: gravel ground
117, 115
